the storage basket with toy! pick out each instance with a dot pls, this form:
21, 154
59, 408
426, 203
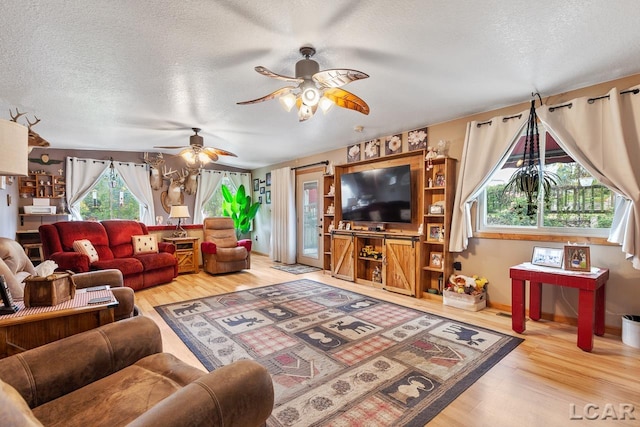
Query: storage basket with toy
467, 293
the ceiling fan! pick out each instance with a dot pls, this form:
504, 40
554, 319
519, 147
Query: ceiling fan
315, 88
196, 151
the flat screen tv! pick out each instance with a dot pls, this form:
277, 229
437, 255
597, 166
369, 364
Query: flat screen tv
377, 195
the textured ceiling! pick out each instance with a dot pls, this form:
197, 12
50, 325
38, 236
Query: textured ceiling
129, 75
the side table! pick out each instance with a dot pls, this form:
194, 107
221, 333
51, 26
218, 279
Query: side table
186, 253
591, 298
35, 326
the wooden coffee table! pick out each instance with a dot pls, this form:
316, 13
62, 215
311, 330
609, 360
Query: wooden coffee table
35, 326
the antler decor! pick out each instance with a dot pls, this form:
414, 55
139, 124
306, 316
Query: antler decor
35, 140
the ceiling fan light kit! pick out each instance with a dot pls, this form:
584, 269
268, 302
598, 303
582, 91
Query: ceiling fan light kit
315, 88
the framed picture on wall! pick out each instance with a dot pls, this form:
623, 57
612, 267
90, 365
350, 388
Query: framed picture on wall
268, 197
417, 139
372, 149
393, 144
268, 179
256, 184
577, 258
261, 190
260, 199
353, 153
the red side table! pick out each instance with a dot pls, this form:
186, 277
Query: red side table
591, 298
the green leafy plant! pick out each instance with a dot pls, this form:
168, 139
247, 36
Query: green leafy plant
239, 208
527, 180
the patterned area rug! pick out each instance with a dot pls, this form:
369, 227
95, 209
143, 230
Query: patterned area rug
338, 358
296, 268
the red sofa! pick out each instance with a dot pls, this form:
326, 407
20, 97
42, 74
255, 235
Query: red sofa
112, 241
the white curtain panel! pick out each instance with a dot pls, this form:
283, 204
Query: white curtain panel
486, 149
283, 215
239, 179
208, 183
604, 136
82, 175
136, 177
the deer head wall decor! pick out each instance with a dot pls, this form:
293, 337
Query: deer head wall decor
173, 195
35, 140
191, 181
155, 178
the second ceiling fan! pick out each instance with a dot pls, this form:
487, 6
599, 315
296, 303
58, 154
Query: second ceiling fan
315, 88
196, 151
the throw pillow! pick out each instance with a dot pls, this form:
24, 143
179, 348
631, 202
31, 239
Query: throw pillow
144, 244
85, 247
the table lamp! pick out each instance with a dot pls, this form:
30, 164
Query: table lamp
179, 212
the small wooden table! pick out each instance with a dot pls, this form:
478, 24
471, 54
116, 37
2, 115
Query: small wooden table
591, 298
187, 253
35, 326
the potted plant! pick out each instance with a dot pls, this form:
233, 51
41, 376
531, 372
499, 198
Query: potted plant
529, 178
239, 208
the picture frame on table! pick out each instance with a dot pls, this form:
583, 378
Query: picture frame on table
434, 232
547, 257
435, 260
256, 184
577, 258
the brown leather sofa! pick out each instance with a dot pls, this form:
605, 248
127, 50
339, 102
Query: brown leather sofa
117, 375
16, 266
221, 251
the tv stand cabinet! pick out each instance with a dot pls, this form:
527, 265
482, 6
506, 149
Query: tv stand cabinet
378, 259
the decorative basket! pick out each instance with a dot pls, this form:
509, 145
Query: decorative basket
47, 291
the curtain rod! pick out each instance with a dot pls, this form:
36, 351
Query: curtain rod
324, 162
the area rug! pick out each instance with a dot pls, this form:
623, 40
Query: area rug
339, 358
296, 268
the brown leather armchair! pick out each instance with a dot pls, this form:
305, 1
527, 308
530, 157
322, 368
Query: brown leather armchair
222, 252
116, 375
16, 266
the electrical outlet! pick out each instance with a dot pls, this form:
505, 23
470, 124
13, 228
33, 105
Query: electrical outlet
256, 237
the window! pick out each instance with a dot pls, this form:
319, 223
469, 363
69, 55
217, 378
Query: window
213, 207
575, 202
109, 199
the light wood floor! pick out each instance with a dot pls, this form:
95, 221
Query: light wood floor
535, 385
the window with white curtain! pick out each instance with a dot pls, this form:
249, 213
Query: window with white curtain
213, 207
576, 203
110, 198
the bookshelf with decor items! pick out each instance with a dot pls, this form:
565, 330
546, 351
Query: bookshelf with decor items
328, 218
439, 191
41, 185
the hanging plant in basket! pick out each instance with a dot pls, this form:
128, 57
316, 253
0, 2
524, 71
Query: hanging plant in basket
530, 178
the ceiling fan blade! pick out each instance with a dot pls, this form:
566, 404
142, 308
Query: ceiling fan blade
218, 152
265, 72
337, 77
169, 147
345, 99
210, 155
282, 91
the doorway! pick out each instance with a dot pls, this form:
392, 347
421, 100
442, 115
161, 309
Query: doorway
309, 206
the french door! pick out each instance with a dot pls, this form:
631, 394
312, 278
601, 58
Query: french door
309, 207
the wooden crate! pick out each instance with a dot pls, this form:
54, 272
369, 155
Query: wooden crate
47, 291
